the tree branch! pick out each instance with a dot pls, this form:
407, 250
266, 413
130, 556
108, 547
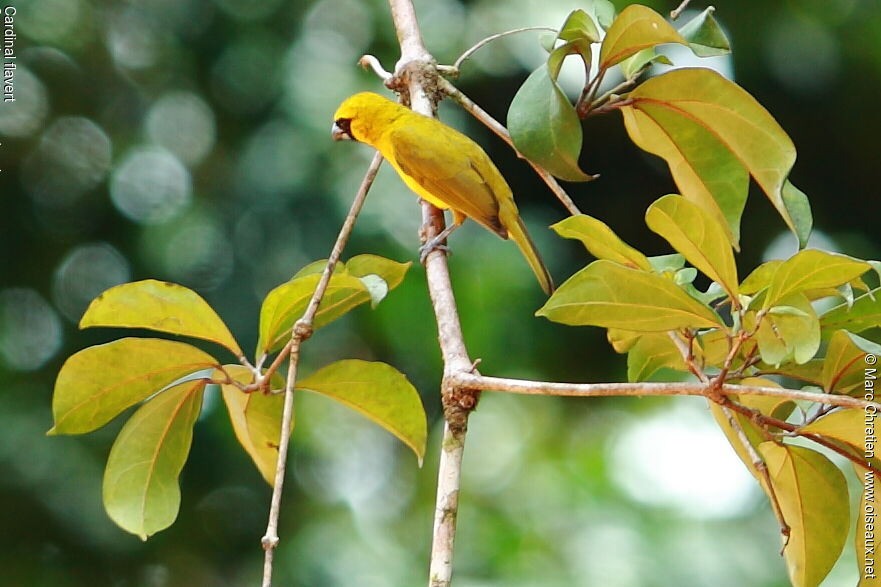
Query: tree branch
301, 331
472, 381
416, 73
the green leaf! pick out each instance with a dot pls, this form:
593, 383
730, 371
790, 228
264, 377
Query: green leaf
600, 241
141, 492
634, 64
812, 269
160, 306
604, 11
579, 26
256, 420
788, 335
380, 392
812, 493
651, 353
844, 367
636, 28
865, 313
698, 236
545, 127
799, 210
713, 134
613, 296
704, 35
667, 264
97, 383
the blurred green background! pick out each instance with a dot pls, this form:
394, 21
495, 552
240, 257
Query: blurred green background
188, 140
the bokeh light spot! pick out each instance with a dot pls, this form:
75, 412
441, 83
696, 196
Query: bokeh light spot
26, 115
246, 78
85, 272
132, 40
193, 250
678, 458
72, 157
30, 330
150, 186
184, 124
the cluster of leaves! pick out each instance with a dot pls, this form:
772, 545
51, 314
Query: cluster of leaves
712, 133
169, 378
714, 136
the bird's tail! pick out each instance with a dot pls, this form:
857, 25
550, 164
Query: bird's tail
517, 232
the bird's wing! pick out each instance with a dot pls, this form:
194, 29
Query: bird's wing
453, 169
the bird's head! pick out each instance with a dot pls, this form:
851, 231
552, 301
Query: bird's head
363, 117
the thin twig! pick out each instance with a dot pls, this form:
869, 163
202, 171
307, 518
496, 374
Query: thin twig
674, 14
301, 331
467, 54
491, 123
371, 62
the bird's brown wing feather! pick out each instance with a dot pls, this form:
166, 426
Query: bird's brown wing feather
445, 163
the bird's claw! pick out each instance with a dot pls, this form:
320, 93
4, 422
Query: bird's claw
433, 245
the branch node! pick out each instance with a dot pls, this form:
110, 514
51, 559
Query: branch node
303, 329
269, 542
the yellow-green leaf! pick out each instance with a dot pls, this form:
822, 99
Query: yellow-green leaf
704, 35
614, 296
712, 134
256, 421
865, 313
844, 369
812, 494
752, 433
812, 269
760, 278
698, 236
380, 392
285, 304
601, 241
390, 271
810, 372
97, 383
867, 524
790, 332
847, 426
579, 26
652, 352
160, 306
141, 492
636, 28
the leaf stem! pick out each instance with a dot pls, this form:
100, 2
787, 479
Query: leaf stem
454, 69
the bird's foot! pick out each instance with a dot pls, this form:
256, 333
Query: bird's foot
435, 244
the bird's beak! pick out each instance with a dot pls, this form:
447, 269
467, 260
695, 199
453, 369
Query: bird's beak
339, 134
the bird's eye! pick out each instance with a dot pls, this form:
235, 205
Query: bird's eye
345, 125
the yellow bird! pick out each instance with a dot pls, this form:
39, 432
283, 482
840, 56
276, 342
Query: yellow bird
442, 166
